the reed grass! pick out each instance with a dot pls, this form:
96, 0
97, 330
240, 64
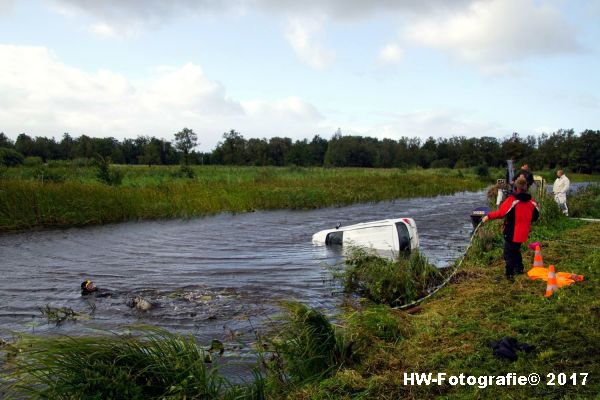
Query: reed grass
386, 281
152, 364
586, 202
77, 198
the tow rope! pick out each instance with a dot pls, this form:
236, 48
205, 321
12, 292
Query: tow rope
448, 279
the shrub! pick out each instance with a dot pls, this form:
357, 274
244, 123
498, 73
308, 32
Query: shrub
184, 171
585, 202
106, 174
10, 157
33, 161
441, 163
386, 281
482, 171
58, 163
83, 162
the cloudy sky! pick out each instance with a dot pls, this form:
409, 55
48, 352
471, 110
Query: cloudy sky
386, 68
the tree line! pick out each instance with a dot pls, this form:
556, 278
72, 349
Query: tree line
563, 148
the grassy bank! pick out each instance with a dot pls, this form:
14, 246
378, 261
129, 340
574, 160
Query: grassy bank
68, 196
452, 331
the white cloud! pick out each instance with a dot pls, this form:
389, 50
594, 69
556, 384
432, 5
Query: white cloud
42, 96
390, 54
103, 29
160, 10
497, 33
303, 37
305, 18
439, 123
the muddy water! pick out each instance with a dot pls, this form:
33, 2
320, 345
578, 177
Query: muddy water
215, 277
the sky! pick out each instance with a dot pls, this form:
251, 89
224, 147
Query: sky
385, 69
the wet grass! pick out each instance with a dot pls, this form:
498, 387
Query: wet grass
386, 281
74, 197
153, 364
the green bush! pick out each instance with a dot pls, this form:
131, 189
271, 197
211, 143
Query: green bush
10, 157
482, 171
44, 174
585, 202
106, 174
184, 171
58, 163
386, 281
83, 162
33, 161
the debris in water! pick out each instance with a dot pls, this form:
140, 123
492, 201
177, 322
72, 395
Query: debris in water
58, 315
140, 303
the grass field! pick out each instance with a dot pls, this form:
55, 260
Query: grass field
32, 197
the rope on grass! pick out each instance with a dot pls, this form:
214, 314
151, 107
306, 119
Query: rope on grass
445, 282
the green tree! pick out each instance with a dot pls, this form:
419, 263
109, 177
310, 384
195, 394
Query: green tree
151, 153
185, 141
10, 157
6, 142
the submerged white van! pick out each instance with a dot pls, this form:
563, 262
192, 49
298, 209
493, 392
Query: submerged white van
396, 235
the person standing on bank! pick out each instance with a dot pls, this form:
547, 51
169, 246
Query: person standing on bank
560, 190
526, 173
519, 211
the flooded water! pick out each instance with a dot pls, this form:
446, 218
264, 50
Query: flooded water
215, 277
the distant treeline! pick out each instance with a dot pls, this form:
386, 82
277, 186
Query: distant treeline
564, 148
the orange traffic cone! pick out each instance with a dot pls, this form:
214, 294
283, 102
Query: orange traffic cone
552, 286
576, 278
537, 259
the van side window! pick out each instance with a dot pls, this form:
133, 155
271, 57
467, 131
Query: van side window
403, 237
335, 238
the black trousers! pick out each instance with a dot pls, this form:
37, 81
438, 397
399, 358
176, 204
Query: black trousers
512, 257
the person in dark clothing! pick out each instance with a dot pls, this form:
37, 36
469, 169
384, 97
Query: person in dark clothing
526, 173
88, 287
519, 211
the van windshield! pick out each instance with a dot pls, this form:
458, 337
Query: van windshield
335, 238
403, 237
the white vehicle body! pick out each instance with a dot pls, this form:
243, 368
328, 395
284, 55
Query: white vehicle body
396, 235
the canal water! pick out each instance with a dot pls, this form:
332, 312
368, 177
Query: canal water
216, 277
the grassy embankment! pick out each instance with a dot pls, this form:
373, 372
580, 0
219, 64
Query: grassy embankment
451, 332
69, 196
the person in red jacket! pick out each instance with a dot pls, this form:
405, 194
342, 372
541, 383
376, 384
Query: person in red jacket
518, 211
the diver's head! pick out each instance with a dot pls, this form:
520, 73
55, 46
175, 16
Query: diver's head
88, 287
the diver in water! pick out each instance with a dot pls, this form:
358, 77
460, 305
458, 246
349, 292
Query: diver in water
88, 288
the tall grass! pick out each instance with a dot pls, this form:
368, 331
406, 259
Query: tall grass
307, 347
157, 365
27, 201
585, 202
385, 281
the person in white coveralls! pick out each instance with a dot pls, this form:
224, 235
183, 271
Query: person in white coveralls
560, 189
